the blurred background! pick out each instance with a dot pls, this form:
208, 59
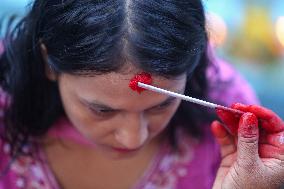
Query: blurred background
247, 33
250, 35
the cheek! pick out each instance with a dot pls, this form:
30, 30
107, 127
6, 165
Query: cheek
84, 121
77, 113
82, 118
74, 110
159, 122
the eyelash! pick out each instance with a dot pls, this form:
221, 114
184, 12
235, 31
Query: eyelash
106, 113
102, 112
161, 107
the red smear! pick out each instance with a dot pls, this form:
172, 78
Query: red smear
270, 151
142, 78
218, 130
248, 125
271, 133
269, 120
230, 119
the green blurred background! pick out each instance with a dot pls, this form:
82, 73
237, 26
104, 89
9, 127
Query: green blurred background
247, 33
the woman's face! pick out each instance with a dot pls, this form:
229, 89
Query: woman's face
116, 119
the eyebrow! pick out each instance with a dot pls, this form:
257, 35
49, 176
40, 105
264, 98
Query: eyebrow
104, 106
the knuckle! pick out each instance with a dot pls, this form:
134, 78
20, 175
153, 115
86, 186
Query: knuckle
251, 140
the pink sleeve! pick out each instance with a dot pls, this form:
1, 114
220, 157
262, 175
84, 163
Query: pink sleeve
228, 86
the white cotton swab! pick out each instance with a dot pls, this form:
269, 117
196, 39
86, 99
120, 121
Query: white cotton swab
187, 98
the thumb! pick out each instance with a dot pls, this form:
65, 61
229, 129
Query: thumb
248, 135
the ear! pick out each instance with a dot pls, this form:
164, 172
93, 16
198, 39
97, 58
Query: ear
49, 72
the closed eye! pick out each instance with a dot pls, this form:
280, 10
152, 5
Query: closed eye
162, 106
102, 112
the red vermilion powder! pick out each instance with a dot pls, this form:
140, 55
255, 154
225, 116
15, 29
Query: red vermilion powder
142, 78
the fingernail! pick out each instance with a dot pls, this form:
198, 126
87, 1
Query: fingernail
248, 125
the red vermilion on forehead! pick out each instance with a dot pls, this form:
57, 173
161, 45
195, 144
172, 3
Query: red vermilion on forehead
142, 78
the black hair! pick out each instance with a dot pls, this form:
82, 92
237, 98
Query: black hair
162, 37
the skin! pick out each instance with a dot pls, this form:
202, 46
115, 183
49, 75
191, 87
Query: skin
252, 157
110, 115
105, 110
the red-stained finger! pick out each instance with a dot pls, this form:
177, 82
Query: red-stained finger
231, 120
276, 139
220, 133
225, 140
263, 137
273, 125
269, 120
259, 111
270, 151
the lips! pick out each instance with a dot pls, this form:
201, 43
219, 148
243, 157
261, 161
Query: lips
125, 150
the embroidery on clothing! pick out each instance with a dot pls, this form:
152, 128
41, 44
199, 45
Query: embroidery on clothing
26, 170
172, 166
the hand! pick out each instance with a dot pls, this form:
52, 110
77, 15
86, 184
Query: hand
252, 151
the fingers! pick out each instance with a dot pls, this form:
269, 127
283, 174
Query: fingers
220, 133
267, 141
225, 140
272, 146
230, 119
259, 111
269, 120
276, 139
248, 135
270, 151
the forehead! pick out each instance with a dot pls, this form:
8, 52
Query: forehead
113, 89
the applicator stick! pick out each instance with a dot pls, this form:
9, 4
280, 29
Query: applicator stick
187, 98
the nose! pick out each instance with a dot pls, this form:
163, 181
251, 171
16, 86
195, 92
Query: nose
134, 131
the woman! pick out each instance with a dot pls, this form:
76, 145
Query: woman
71, 121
